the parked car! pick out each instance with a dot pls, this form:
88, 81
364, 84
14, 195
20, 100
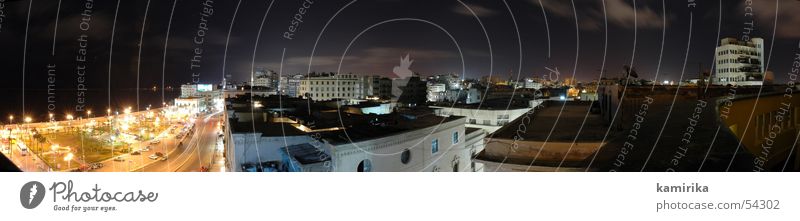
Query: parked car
146, 149
155, 142
153, 157
94, 166
119, 159
136, 153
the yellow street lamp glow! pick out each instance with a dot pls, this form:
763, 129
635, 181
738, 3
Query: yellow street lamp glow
54, 147
68, 157
89, 112
28, 119
69, 117
11, 117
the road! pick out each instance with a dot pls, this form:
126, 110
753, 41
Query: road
185, 155
28, 162
198, 150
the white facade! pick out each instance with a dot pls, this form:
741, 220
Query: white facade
739, 62
262, 81
189, 90
436, 92
192, 104
433, 149
489, 120
323, 88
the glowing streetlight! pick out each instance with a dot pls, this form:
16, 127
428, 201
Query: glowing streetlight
68, 158
108, 112
51, 116
89, 113
28, 120
70, 117
128, 110
11, 118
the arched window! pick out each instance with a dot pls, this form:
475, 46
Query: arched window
405, 157
365, 166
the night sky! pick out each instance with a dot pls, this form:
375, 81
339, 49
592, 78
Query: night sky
518, 40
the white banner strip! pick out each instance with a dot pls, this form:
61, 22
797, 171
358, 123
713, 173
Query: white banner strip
399, 196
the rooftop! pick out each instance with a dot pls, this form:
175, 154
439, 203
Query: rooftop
551, 123
306, 154
366, 127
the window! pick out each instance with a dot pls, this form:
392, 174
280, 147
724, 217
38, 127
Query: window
456, 163
435, 146
472, 121
455, 137
405, 157
487, 122
365, 166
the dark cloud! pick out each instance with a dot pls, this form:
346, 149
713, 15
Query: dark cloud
469, 9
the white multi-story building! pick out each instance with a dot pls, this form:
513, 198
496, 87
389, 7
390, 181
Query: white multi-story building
377, 87
740, 62
189, 90
436, 92
262, 140
433, 148
290, 85
323, 87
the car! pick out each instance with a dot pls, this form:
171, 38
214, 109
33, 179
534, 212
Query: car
164, 158
136, 153
119, 159
146, 149
155, 142
153, 157
95, 166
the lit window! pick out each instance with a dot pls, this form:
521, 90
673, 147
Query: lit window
455, 137
435, 146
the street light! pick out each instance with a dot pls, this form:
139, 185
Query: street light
89, 113
51, 117
54, 148
28, 120
70, 117
11, 119
68, 158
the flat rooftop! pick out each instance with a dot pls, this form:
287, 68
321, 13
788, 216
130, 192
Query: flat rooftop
366, 127
267, 129
564, 124
490, 104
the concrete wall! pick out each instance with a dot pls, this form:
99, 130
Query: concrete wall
551, 151
754, 130
385, 153
485, 119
